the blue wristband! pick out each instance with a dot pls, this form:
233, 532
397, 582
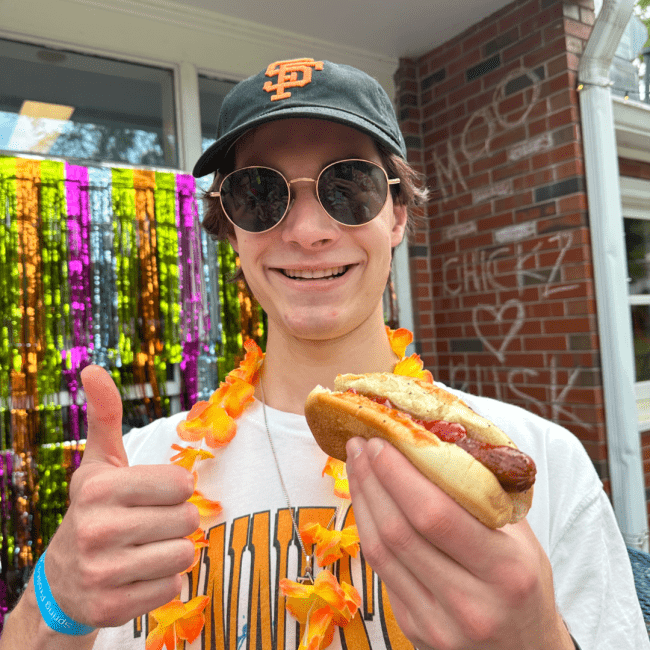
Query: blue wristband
52, 614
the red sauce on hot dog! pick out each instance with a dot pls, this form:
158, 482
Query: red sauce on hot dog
514, 469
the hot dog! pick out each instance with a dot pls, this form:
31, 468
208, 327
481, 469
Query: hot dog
463, 453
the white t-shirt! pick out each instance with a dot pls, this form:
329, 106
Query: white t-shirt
252, 540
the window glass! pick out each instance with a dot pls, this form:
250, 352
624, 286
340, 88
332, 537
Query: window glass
211, 94
641, 333
637, 240
69, 105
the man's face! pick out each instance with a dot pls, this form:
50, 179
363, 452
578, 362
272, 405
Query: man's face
315, 278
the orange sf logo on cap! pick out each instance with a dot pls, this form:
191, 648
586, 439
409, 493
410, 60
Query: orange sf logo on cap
287, 73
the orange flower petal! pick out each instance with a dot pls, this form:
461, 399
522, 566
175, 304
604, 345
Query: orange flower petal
331, 544
249, 367
299, 598
167, 614
399, 340
319, 631
337, 470
197, 410
412, 367
160, 636
219, 394
155, 638
206, 507
222, 428
192, 430
189, 626
239, 394
199, 540
187, 456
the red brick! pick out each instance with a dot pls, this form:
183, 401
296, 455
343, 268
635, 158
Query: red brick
467, 92
481, 36
489, 162
568, 325
435, 107
563, 99
557, 66
579, 30
471, 300
561, 118
550, 51
480, 180
538, 127
545, 310
523, 47
587, 16
572, 203
449, 84
478, 241
492, 79
507, 138
634, 168
476, 101
580, 307
464, 62
495, 221
513, 169
536, 179
512, 202
553, 31
572, 168
510, 104
546, 343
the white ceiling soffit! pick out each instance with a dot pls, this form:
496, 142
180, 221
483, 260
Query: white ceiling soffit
388, 29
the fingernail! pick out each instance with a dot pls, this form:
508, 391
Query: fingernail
354, 447
374, 447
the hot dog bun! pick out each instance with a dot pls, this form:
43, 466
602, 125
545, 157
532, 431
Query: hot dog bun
335, 417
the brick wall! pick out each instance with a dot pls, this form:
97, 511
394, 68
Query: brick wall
502, 275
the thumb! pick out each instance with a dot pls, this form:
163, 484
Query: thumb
104, 441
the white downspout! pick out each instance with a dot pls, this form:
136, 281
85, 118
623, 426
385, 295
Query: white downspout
610, 271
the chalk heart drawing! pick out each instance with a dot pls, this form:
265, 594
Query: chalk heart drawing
498, 314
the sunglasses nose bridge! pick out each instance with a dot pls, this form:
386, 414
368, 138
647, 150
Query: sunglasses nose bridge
301, 180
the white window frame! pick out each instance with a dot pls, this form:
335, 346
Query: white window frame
635, 203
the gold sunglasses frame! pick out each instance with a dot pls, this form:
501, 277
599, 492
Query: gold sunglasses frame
389, 182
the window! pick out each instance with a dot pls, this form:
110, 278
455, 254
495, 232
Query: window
211, 94
637, 238
635, 194
86, 108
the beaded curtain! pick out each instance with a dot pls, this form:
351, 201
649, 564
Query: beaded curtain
103, 266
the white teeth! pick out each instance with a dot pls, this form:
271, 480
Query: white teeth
309, 274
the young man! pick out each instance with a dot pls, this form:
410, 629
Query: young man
315, 246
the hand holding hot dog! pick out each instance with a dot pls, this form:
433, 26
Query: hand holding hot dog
120, 548
452, 582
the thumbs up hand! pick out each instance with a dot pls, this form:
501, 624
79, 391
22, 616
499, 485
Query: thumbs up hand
120, 548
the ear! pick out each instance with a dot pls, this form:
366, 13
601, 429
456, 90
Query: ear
232, 240
400, 217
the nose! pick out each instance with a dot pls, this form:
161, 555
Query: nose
306, 223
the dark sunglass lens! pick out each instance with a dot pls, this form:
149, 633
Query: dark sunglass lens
353, 191
255, 198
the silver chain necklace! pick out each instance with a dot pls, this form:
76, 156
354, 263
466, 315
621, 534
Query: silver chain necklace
308, 577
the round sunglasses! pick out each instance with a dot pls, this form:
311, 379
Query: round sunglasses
352, 192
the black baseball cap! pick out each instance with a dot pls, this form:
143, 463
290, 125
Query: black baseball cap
304, 88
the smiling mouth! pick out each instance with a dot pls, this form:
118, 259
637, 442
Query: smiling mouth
312, 274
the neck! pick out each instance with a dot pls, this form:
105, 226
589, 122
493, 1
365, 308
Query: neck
294, 366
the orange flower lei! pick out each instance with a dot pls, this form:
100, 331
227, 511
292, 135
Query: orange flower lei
320, 606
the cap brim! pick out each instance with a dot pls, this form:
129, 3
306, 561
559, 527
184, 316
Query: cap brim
213, 156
